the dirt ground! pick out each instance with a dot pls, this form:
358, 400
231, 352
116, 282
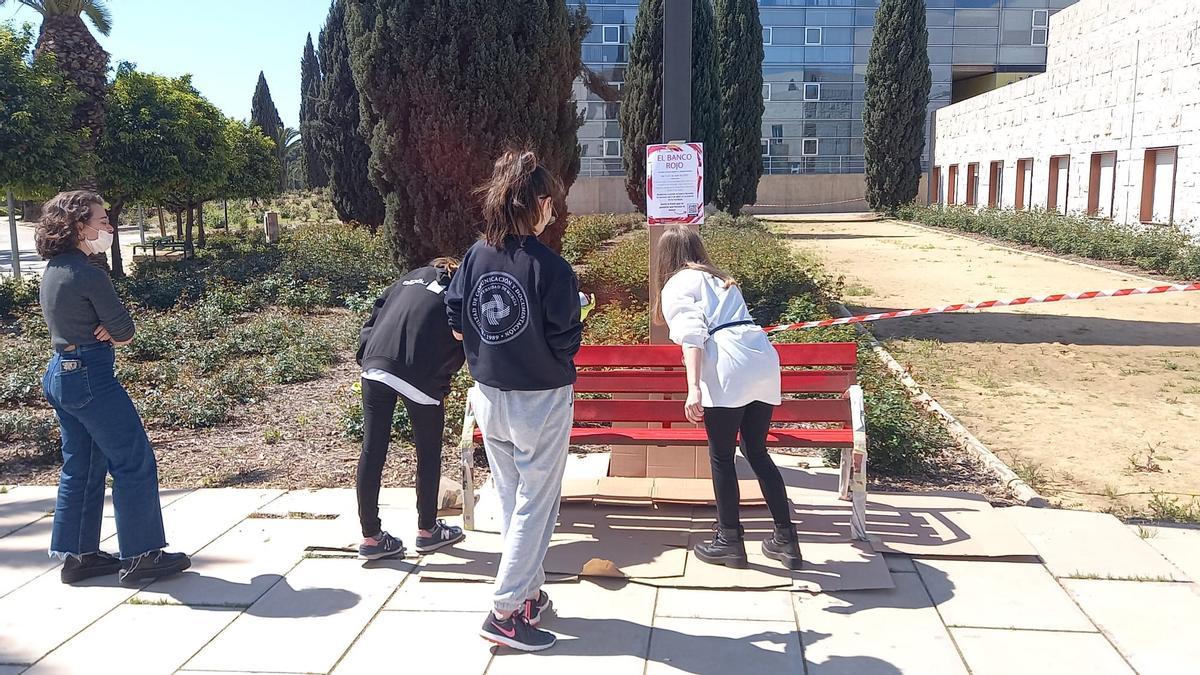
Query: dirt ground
1095, 403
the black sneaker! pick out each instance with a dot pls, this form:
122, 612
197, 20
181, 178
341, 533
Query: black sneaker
533, 609
98, 564
385, 546
726, 548
783, 546
442, 535
516, 632
153, 565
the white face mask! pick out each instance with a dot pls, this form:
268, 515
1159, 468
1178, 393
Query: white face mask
98, 245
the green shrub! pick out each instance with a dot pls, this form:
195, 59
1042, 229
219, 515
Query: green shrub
616, 324
585, 234
299, 361
157, 336
352, 421
242, 383
744, 221
1166, 250
37, 426
198, 405
17, 294
620, 272
346, 258
307, 295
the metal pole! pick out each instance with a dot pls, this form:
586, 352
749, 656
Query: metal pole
12, 231
142, 223
676, 111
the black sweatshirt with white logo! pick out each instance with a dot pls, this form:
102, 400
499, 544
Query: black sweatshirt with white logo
517, 308
407, 334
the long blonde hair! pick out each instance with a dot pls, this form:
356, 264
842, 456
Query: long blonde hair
681, 248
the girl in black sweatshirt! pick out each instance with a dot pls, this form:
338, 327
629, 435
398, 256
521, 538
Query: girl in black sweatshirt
407, 352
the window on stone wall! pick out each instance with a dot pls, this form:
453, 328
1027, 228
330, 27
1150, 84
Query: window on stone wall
612, 147
1024, 194
1158, 186
1040, 34
813, 36
1102, 184
935, 187
812, 91
766, 92
995, 184
809, 147
952, 185
972, 184
1058, 183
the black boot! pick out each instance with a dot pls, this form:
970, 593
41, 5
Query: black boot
784, 547
726, 548
79, 568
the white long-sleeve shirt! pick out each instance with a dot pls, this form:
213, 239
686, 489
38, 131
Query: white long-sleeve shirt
740, 365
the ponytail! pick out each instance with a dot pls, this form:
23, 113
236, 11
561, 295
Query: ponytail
512, 196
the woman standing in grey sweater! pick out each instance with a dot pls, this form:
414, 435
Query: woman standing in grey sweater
101, 430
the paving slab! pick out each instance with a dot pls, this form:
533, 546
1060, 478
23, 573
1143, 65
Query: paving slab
1005, 652
23, 505
148, 640
237, 568
884, 632
41, 615
415, 595
603, 628
686, 603
988, 594
307, 621
724, 646
11, 670
1178, 544
338, 502
397, 635
1152, 624
23, 556
1086, 544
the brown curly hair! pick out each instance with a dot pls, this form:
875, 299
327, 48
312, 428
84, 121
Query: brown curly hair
62, 218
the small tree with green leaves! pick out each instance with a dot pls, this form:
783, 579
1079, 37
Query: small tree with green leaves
641, 105
897, 95
39, 151
739, 67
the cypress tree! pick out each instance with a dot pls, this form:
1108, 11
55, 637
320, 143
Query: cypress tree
897, 95
641, 106
445, 86
262, 109
739, 67
340, 142
310, 94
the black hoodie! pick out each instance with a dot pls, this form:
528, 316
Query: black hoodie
517, 308
407, 334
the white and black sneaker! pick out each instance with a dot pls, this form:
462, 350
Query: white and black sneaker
533, 609
385, 546
516, 632
441, 535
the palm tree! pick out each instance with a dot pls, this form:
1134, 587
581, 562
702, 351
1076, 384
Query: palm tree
80, 57
287, 150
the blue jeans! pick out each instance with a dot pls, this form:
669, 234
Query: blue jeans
101, 433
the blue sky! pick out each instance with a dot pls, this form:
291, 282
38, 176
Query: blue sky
222, 43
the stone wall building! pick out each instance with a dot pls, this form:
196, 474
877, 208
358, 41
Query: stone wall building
1111, 129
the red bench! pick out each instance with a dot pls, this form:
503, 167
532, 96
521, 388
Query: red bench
811, 368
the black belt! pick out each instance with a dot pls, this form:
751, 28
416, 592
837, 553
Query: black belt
731, 324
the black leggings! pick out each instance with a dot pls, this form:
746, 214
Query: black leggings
753, 421
428, 423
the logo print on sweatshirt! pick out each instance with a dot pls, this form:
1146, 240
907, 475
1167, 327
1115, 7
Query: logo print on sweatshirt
498, 308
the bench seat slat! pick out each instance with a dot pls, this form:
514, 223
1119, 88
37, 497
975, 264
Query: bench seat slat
776, 438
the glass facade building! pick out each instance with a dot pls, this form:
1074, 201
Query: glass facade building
815, 60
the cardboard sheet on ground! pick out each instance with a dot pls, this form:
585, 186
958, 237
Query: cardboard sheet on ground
829, 565
927, 524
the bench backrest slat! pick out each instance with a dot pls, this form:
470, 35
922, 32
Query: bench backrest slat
675, 382
836, 411
838, 354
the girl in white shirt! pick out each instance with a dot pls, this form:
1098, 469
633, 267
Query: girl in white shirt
733, 386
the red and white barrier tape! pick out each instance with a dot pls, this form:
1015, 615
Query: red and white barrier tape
1088, 295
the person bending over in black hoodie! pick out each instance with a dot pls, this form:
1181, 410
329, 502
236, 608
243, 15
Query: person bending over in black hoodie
407, 351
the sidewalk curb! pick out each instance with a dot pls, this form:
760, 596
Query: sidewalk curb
962, 436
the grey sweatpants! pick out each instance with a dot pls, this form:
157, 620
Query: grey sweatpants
525, 434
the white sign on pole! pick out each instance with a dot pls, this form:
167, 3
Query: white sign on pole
675, 183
